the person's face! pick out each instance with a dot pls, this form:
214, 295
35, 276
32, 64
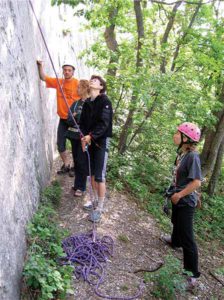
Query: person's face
177, 138
68, 72
95, 84
82, 90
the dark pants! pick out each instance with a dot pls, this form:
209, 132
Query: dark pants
79, 158
61, 135
183, 236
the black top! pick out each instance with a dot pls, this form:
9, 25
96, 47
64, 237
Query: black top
96, 117
75, 107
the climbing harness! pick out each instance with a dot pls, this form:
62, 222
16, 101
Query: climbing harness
87, 252
172, 189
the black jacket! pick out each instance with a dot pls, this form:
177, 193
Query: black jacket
75, 107
96, 117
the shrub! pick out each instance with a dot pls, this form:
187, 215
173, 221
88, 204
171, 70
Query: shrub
43, 276
167, 281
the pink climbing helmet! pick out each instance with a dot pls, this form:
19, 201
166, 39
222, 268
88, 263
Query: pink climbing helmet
190, 130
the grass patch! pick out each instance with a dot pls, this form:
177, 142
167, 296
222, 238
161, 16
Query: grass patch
123, 238
167, 281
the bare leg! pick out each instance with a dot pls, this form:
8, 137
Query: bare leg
101, 191
65, 158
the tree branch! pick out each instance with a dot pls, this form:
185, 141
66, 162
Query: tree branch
166, 34
147, 115
176, 53
140, 30
111, 41
171, 3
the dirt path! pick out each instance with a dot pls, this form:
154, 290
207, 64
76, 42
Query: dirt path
137, 246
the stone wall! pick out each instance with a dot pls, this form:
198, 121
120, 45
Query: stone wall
28, 120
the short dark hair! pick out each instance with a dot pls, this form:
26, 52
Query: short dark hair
102, 82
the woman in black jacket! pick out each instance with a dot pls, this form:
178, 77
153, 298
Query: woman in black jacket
96, 126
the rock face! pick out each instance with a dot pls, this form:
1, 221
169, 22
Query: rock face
28, 121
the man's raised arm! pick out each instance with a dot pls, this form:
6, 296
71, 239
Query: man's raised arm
40, 70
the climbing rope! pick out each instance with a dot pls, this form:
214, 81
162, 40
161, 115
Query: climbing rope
90, 258
87, 252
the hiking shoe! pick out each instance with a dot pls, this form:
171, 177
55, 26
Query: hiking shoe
71, 172
64, 169
191, 283
95, 216
78, 193
166, 239
88, 206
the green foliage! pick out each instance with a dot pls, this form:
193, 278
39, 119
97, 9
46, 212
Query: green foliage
43, 276
220, 271
52, 193
123, 238
167, 281
209, 220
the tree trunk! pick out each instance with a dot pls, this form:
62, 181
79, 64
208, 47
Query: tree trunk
125, 131
166, 35
140, 30
129, 121
217, 169
210, 137
209, 163
111, 42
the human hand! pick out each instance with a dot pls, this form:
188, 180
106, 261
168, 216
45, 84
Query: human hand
175, 198
86, 140
83, 144
39, 63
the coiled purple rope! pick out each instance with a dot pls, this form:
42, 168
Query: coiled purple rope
90, 258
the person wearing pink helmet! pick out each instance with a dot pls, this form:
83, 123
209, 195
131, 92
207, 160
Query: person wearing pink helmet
186, 180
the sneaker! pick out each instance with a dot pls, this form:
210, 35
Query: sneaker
71, 172
166, 239
63, 170
88, 206
95, 216
191, 283
78, 193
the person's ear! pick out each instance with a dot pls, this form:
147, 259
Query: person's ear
184, 139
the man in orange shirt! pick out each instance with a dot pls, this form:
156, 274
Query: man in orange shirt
69, 86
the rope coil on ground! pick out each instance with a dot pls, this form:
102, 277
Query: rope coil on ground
90, 258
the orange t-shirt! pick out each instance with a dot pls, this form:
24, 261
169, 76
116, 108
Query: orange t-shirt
69, 88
